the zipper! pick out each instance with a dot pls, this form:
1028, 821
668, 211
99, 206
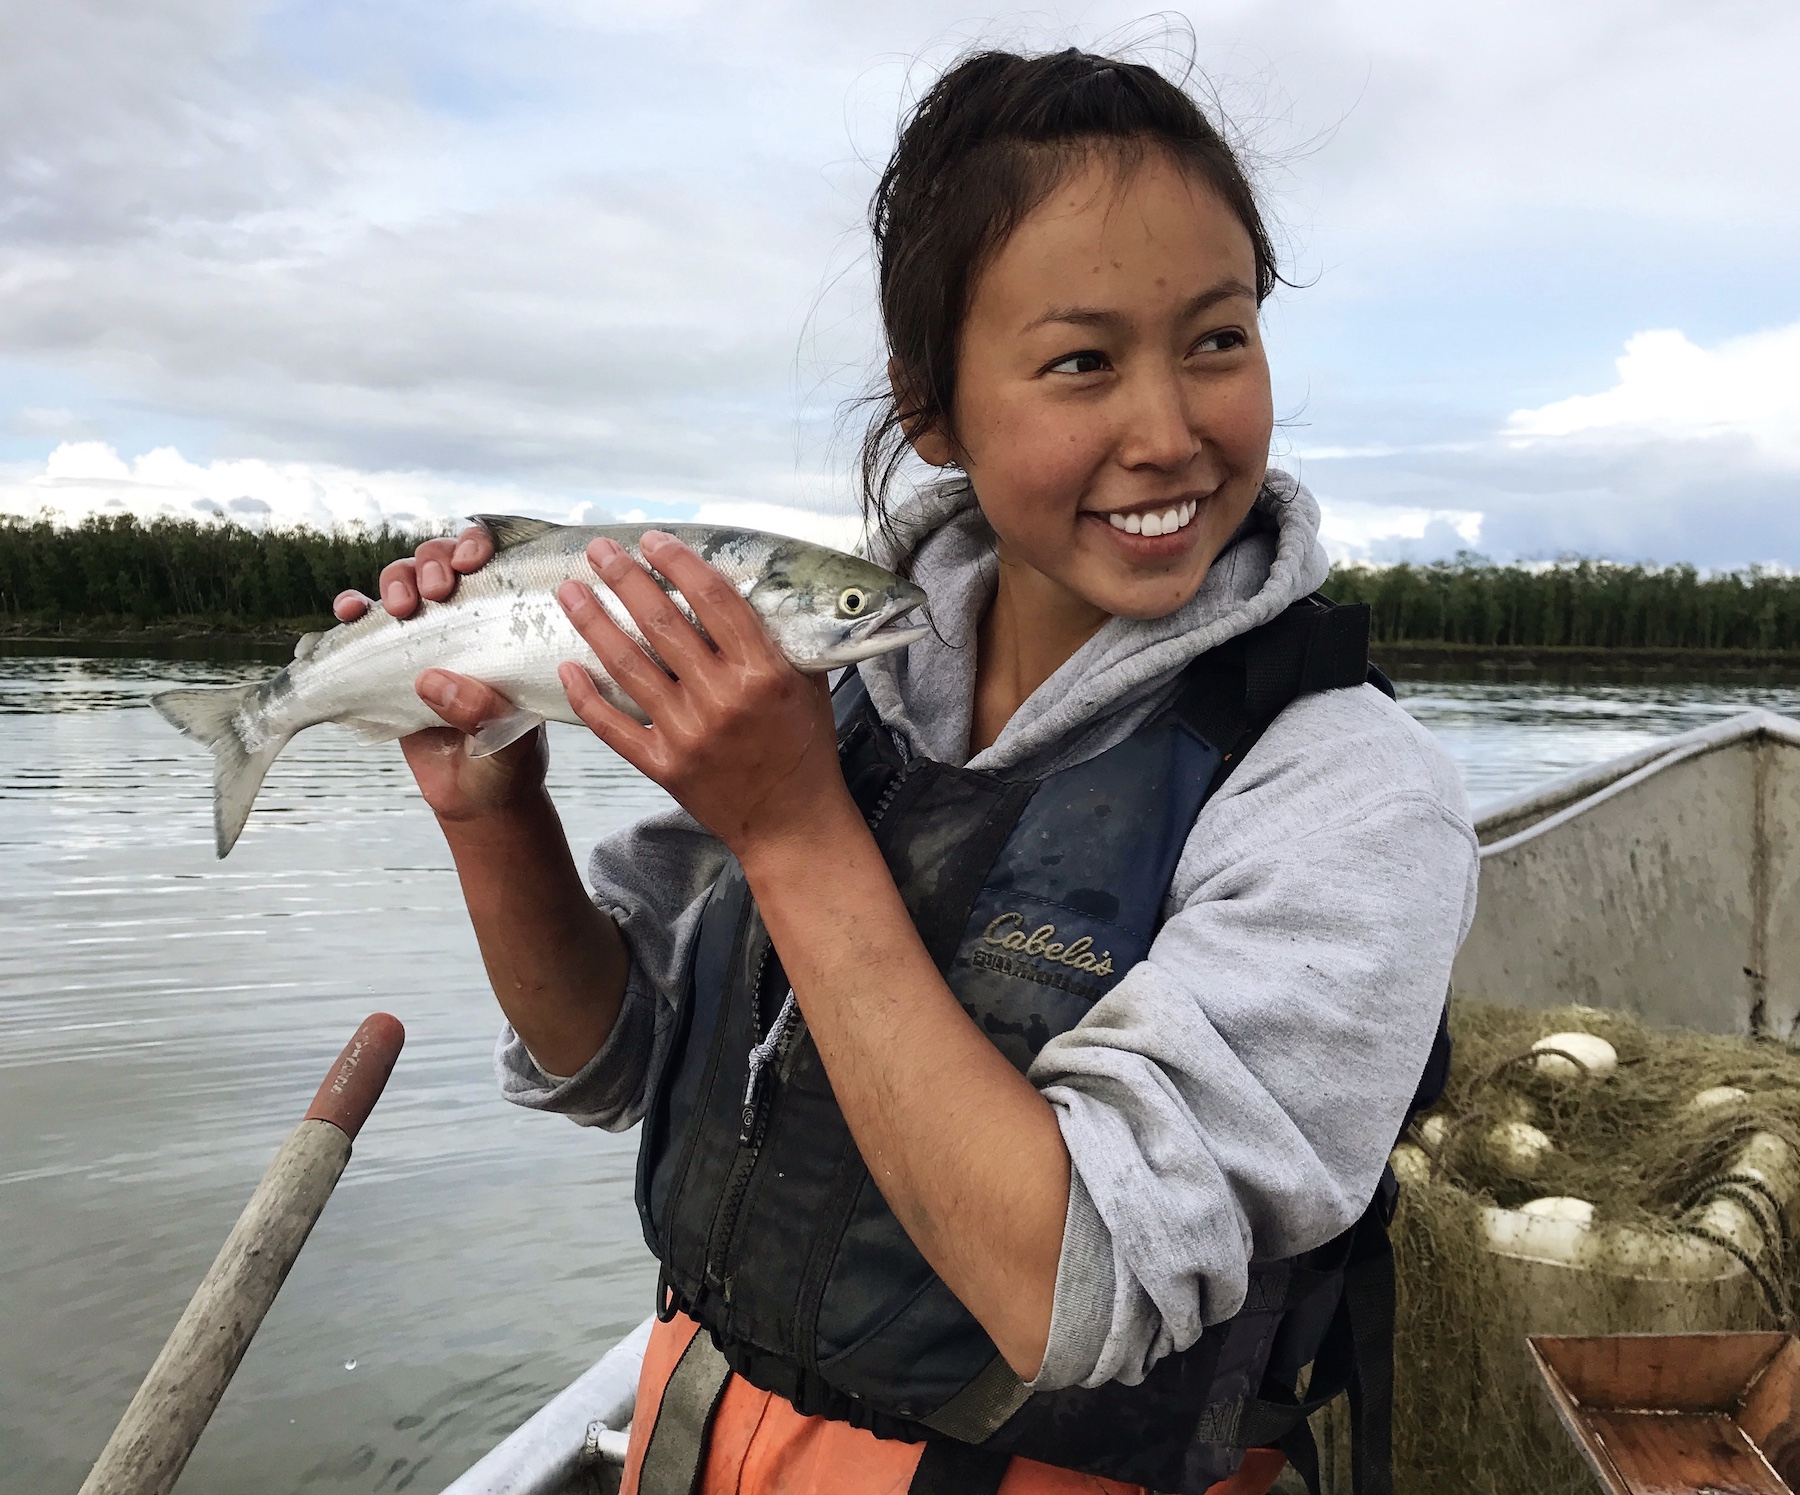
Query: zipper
767, 1063
893, 788
752, 1124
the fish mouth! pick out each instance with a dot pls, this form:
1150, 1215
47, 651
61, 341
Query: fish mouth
883, 631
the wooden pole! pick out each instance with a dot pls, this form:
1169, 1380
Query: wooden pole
152, 1442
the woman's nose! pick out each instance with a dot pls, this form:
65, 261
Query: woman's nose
1159, 429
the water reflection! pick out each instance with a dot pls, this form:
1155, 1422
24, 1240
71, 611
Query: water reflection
1509, 737
164, 1018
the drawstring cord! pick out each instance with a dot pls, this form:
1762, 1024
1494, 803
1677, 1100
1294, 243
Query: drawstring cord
762, 1053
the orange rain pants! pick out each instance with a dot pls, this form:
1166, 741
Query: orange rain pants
761, 1446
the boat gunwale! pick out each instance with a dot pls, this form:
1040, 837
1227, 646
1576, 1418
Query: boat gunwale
1565, 799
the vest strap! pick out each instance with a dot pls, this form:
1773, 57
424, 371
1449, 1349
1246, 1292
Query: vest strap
1234, 692
676, 1451
1357, 1356
947, 1468
1303, 651
982, 1407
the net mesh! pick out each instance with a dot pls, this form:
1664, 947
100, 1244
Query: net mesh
1469, 1413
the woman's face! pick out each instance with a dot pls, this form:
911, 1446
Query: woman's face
1113, 410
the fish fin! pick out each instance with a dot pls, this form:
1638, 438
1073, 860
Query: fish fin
509, 530
502, 732
305, 644
210, 715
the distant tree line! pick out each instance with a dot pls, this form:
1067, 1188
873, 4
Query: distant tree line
226, 575
1580, 604
118, 567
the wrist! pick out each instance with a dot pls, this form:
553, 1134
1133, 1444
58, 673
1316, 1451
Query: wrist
810, 844
525, 815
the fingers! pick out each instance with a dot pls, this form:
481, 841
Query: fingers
462, 702
654, 611
436, 580
399, 587
612, 726
632, 670
348, 606
427, 574
728, 619
474, 549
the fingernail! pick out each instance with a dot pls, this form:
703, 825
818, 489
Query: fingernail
393, 596
464, 554
436, 688
573, 595
660, 536
433, 574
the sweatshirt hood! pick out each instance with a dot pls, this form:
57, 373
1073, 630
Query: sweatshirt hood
1110, 685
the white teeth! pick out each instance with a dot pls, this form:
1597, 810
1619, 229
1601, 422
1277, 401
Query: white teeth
1165, 523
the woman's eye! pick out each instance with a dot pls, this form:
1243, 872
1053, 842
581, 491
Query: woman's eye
1088, 362
1226, 340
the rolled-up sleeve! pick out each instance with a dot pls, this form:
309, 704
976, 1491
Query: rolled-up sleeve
1235, 1096
653, 881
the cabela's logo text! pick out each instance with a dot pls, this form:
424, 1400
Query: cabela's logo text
1008, 933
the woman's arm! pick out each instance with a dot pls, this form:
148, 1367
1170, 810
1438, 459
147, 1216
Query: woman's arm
557, 963
965, 1151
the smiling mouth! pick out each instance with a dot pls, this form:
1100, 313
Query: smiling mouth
1155, 522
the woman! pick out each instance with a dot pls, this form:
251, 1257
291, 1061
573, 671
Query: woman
1021, 1050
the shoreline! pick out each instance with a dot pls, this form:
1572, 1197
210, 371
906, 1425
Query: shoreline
1503, 662
191, 638
181, 639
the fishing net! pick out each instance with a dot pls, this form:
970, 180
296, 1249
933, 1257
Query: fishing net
1653, 1146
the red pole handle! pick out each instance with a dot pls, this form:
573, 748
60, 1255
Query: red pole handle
360, 1074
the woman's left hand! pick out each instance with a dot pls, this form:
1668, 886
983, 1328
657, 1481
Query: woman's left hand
741, 738
746, 744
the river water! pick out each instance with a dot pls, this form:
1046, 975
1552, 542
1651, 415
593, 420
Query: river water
164, 1019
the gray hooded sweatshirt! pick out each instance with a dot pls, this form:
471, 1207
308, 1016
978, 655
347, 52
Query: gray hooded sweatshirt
1234, 1097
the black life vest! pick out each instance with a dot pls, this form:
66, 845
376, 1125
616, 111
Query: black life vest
1034, 898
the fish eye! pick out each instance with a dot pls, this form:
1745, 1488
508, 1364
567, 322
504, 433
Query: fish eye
852, 601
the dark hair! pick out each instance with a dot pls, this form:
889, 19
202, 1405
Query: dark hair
983, 148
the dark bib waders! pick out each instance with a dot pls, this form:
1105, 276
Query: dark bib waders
1034, 897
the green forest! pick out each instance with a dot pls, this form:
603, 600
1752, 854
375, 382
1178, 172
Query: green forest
1577, 604
123, 573
119, 571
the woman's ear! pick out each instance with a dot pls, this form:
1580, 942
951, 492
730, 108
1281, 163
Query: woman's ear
926, 439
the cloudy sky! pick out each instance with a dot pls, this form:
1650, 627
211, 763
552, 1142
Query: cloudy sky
331, 262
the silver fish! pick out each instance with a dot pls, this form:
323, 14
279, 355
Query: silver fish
503, 625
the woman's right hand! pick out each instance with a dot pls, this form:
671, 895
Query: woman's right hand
457, 787
430, 573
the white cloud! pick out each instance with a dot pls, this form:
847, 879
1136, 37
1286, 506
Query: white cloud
80, 479
1354, 531
1693, 454
568, 249
1670, 389
841, 531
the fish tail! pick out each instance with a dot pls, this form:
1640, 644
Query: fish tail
212, 715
